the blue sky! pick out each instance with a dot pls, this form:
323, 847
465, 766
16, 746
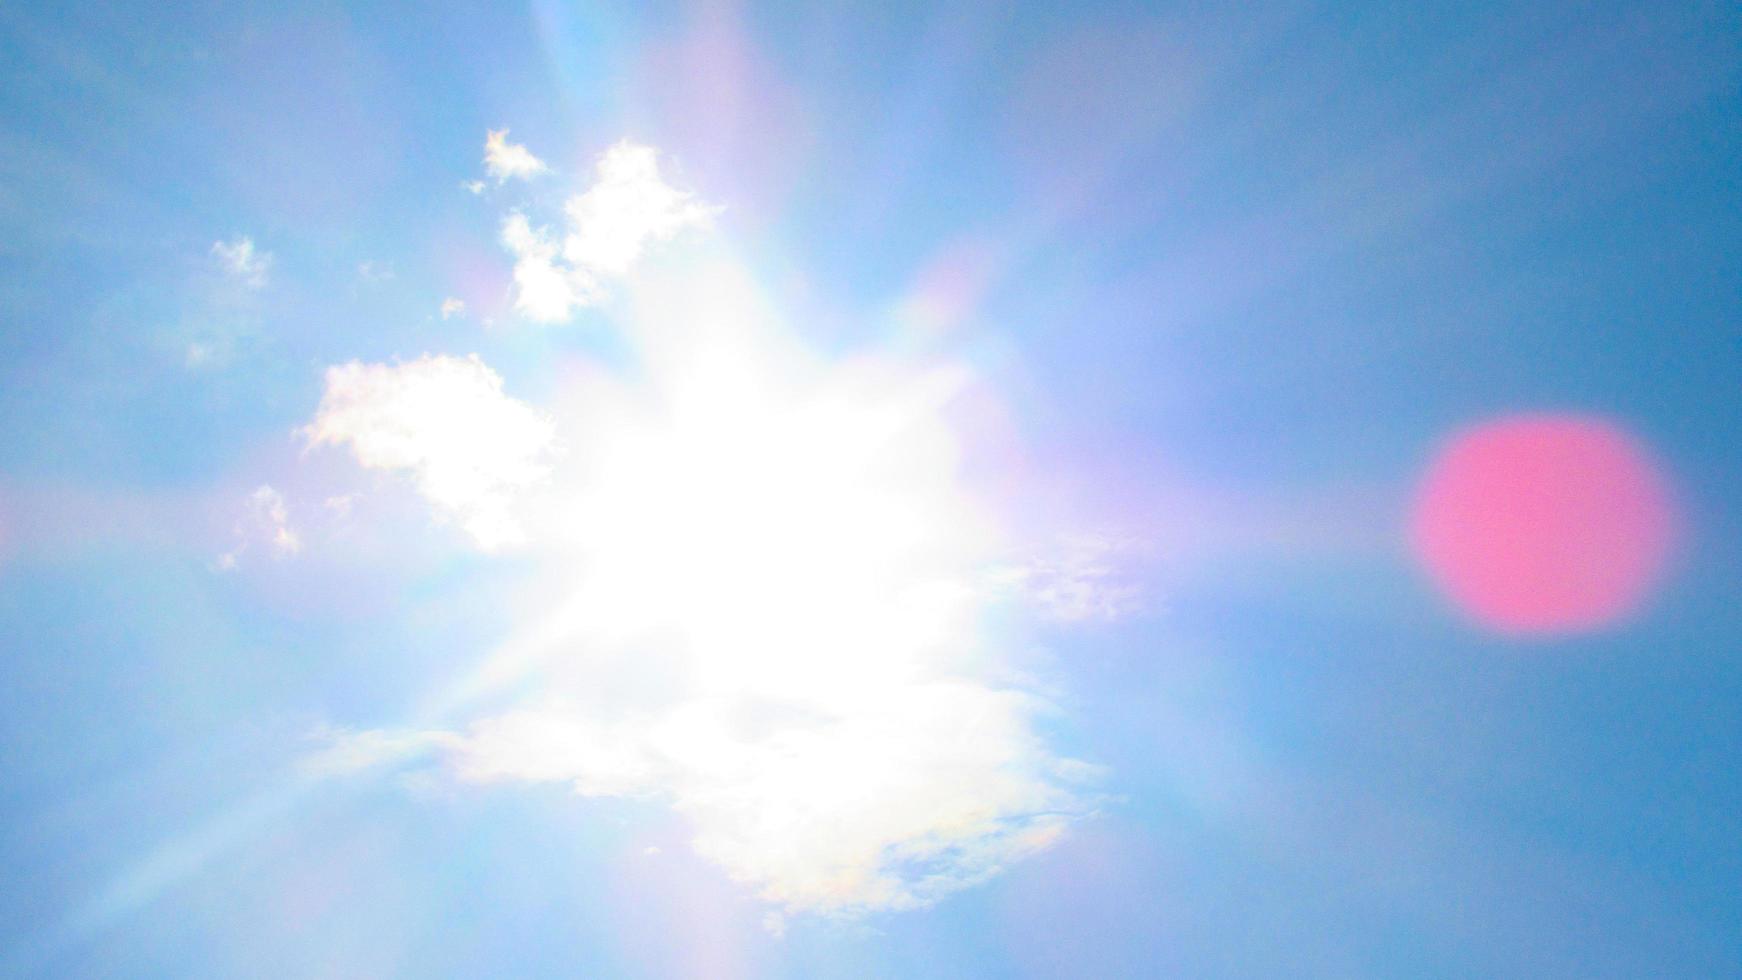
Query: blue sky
896, 491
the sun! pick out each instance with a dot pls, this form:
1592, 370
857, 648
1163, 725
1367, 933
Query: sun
796, 528
767, 595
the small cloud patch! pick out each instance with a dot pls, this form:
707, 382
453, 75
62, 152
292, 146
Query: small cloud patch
507, 161
242, 261
266, 522
628, 209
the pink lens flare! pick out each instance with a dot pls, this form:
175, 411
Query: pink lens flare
1545, 524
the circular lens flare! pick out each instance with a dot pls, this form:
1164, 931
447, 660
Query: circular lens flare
1544, 524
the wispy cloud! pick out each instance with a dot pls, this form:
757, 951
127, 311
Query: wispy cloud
1081, 578
445, 422
242, 261
224, 303
266, 521
375, 271
509, 161
626, 210
453, 307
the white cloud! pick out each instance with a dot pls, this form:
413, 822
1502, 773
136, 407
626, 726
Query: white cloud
508, 161
887, 800
544, 289
452, 307
627, 209
267, 520
924, 789
445, 421
242, 261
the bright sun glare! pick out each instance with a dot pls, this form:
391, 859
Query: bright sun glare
805, 542
775, 590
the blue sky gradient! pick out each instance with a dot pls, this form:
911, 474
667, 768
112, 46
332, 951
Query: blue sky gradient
1237, 275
